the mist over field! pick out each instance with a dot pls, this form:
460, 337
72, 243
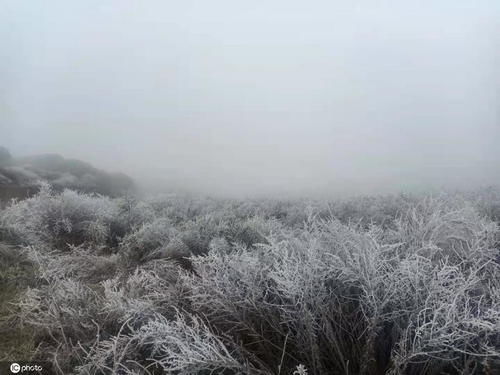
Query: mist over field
270, 98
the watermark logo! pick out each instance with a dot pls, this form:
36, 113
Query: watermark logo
26, 368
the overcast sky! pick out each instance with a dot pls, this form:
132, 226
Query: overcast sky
258, 96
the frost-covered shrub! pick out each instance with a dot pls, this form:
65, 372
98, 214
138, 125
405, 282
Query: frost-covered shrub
177, 251
82, 264
343, 299
182, 345
71, 312
376, 210
135, 212
142, 293
188, 346
16, 269
399, 285
446, 228
54, 219
221, 245
196, 242
197, 234
180, 209
251, 231
62, 314
148, 239
280, 295
487, 202
453, 327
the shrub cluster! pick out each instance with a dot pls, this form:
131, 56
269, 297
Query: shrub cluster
386, 285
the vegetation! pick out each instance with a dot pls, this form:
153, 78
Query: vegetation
384, 285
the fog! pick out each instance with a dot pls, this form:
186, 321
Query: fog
258, 97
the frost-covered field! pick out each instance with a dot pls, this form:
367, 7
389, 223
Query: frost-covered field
396, 284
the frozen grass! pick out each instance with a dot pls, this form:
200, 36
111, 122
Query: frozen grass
15, 276
59, 220
396, 284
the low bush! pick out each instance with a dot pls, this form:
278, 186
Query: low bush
59, 220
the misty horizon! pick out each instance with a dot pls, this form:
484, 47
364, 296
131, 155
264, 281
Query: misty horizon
281, 98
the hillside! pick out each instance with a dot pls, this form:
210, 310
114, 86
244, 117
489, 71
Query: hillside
21, 177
